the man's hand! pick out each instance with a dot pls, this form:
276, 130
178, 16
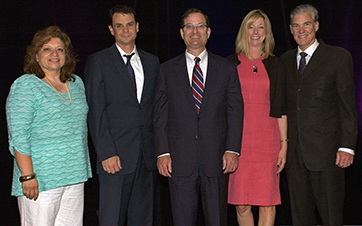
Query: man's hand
344, 159
30, 189
230, 162
112, 164
164, 165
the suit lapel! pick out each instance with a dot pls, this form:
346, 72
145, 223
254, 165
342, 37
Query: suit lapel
211, 79
147, 77
314, 62
123, 74
183, 80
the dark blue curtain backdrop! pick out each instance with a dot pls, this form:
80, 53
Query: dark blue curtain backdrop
85, 21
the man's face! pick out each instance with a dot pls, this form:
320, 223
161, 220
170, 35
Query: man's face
195, 38
124, 29
304, 30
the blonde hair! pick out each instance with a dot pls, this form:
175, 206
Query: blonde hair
241, 42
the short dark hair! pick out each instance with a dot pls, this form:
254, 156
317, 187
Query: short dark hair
191, 11
123, 10
31, 66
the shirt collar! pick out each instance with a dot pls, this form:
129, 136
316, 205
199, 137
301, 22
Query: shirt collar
124, 53
190, 58
310, 50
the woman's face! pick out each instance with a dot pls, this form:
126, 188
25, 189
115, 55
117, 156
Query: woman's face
256, 33
51, 56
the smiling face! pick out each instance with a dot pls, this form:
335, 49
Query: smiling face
304, 30
51, 56
124, 29
256, 33
195, 38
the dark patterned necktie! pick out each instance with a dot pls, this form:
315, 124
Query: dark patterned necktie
302, 64
197, 84
130, 69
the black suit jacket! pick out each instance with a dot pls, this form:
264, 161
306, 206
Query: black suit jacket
118, 124
321, 107
198, 139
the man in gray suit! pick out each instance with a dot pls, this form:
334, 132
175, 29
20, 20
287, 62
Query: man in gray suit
120, 85
322, 122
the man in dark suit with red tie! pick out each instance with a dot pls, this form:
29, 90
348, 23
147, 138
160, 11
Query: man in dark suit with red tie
120, 86
322, 122
198, 125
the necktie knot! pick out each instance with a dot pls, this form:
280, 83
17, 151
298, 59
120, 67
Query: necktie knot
129, 56
197, 60
303, 54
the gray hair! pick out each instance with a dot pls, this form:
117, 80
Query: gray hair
301, 9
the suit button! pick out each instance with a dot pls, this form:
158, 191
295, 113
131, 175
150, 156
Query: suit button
198, 119
298, 109
141, 107
141, 127
299, 90
197, 136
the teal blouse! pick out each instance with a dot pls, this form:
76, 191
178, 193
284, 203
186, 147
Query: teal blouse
52, 132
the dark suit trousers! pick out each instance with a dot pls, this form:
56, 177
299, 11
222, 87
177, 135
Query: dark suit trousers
127, 199
309, 190
185, 194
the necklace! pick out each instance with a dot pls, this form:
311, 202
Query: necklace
255, 68
70, 97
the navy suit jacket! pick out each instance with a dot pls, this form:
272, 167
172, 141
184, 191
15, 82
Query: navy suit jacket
118, 124
198, 139
321, 107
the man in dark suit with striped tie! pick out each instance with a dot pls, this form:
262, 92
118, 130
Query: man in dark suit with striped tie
198, 125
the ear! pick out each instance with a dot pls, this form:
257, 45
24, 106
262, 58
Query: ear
137, 27
111, 29
182, 33
291, 29
316, 26
208, 32
36, 57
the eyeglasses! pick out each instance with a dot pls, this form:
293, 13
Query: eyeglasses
191, 26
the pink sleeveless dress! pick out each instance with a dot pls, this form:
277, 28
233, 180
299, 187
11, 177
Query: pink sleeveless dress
255, 182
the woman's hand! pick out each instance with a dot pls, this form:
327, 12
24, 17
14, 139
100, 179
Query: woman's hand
30, 189
282, 157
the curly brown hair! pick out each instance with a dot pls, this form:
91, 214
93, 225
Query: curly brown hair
31, 66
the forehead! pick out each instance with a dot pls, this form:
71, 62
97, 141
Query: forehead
259, 20
122, 18
54, 41
195, 18
302, 18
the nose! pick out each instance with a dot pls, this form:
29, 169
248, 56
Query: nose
255, 30
194, 29
55, 53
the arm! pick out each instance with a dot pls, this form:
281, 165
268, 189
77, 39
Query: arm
347, 110
20, 110
282, 156
235, 116
97, 118
30, 187
160, 122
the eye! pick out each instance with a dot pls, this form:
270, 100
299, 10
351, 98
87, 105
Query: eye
261, 27
189, 26
60, 49
46, 49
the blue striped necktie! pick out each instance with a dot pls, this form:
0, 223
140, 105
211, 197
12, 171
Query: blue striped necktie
197, 85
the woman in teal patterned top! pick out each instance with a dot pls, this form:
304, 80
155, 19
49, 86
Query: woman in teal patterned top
46, 115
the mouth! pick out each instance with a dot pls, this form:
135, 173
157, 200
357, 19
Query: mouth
54, 60
255, 38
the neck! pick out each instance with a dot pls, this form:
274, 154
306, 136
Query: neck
195, 52
255, 52
128, 48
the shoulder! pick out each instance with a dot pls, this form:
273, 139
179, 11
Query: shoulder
26, 81
103, 53
145, 54
288, 54
176, 60
335, 50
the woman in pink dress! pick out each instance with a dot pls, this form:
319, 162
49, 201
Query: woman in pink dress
264, 143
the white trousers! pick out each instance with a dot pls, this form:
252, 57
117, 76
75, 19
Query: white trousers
56, 207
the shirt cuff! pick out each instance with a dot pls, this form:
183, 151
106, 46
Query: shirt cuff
163, 155
348, 150
233, 152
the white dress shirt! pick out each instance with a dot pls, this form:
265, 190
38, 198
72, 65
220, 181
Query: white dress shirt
137, 68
